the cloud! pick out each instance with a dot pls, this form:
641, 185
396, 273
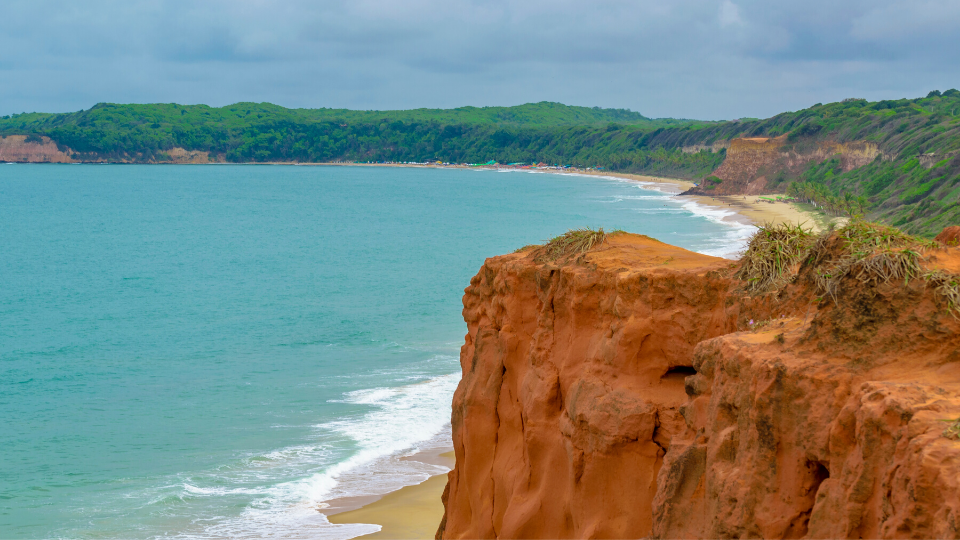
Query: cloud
684, 58
729, 14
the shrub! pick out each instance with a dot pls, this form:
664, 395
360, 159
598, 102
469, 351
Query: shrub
571, 243
772, 255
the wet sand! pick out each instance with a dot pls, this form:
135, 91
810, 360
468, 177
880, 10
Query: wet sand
410, 512
749, 208
758, 212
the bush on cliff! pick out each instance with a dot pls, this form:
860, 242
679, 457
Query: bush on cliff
572, 243
773, 255
870, 253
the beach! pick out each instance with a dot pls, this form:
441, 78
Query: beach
746, 208
410, 512
415, 511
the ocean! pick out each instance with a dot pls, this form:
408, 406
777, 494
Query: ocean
219, 351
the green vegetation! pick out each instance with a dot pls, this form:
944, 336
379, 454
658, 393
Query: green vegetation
914, 183
870, 253
772, 256
246, 132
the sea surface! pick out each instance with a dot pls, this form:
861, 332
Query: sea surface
218, 351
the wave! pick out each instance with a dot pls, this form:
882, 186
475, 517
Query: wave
733, 240
403, 422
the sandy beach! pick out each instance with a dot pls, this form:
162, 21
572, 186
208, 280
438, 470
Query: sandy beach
749, 208
410, 512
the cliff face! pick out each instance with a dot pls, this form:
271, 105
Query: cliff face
751, 162
15, 148
625, 394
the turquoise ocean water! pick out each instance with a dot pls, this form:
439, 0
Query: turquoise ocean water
215, 351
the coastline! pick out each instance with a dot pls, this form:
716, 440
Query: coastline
745, 209
415, 511
410, 512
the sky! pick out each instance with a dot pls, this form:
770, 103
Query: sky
700, 59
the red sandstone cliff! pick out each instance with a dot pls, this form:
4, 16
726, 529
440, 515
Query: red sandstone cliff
623, 395
751, 162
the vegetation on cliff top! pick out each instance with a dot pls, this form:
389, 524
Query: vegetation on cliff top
914, 184
870, 253
772, 256
572, 243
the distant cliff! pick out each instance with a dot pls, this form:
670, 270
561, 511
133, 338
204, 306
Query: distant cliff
36, 149
31, 149
641, 390
752, 164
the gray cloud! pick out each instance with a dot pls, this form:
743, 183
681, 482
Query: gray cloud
684, 58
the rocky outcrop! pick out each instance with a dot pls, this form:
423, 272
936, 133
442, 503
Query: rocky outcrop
637, 391
751, 162
17, 149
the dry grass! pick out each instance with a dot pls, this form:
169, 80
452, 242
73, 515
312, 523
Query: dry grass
947, 287
572, 243
772, 256
953, 430
869, 252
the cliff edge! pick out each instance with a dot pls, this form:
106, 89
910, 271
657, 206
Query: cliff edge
636, 389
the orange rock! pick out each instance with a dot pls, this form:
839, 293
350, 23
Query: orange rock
625, 395
751, 162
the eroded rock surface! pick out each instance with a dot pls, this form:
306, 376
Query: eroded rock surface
627, 394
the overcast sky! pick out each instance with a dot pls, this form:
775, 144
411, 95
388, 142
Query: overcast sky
664, 58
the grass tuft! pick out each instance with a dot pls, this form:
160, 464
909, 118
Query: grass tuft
953, 430
869, 252
572, 243
947, 287
772, 256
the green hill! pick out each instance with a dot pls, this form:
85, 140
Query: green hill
915, 184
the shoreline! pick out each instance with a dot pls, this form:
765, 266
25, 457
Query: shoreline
412, 511
746, 209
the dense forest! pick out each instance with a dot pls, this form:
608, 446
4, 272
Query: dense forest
915, 184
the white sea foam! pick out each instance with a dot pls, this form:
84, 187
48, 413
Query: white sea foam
403, 421
735, 235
